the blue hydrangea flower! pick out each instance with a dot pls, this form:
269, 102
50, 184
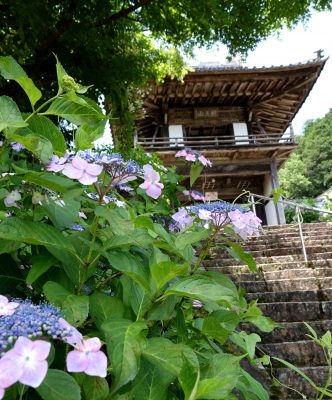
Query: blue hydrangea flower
30, 320
215, 207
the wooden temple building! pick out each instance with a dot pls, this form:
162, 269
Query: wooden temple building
238, 117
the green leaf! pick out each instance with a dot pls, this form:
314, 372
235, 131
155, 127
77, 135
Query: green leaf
164, 310
10, 116
59, 385
124, 340
95, 388
75, 309
151, 383
220, 378
61, 216
104, 307
195, 171
33, 233
250, 388
164, 354
44, 127
117, 219
129, 265
202, 287
140, 301
165, 271
37, 144
11, 70
40, 264
189, 238
87, 134
246, 342
50, 181
212, 328
189, 378
238, 253
60, 73
77, 112
55, 293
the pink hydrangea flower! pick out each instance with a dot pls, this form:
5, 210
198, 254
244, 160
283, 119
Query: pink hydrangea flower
81, 170
9, 374
30, 360
182, 218
7, 307
245, 224
206, 162
190, 157
181, 153
151, 182
57, 163
75, 337
88, 358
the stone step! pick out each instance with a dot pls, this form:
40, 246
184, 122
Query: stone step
291, 379
319, 273
291, 296
290, 331
297, 311
279, 251
280, 259
306, 226
282, 241
270, 267
283, 285
301, 353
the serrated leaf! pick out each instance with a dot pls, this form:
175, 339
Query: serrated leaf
44, 127
164, 354
59, 385
86, 135
129, 265
38, 145
77, 113
50, 181
251, 388
10, 116
195, 171
55, 293
203, 288
104, 307
33, 233
40, 264
75, 309
151, 383
238, 253
95, 388
124, 340
165, 271
11, 70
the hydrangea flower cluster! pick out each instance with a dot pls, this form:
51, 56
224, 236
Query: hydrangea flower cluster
23, 318
24, 360
245, 223
193, 155
86, 166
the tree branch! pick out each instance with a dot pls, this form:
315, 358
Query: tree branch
122, 13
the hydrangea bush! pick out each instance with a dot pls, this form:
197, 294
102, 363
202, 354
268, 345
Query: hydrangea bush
103, 293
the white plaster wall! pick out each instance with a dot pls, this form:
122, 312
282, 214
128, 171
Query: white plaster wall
175, 132
270, 210
240, 133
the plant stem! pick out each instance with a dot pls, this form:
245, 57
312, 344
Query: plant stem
41, 107
22, 392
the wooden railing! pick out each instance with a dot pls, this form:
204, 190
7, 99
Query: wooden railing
203, 142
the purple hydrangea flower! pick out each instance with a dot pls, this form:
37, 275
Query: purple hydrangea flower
151, 183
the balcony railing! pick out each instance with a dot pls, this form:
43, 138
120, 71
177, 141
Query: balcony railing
214, 142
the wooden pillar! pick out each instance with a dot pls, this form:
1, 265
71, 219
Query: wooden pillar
275, 185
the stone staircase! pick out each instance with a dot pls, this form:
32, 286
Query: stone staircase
290, 291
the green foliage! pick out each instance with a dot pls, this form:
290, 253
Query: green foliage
122, 46
122, 277
307, 173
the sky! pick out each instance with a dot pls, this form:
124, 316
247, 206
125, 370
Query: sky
291, 47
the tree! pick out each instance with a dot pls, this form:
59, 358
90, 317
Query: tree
124, 44
308, 172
